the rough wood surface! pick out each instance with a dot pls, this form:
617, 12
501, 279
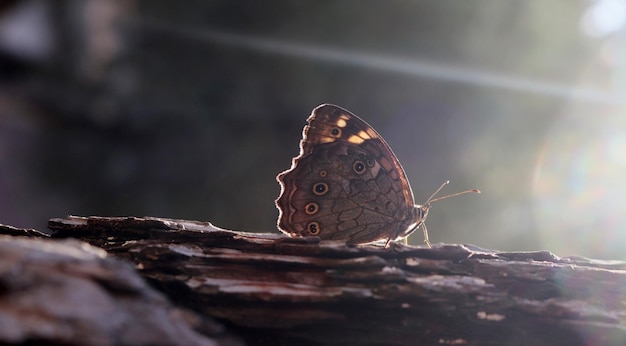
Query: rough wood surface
69, 293
275, 290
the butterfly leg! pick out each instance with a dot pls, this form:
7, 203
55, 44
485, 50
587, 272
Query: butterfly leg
405, 241
426, 235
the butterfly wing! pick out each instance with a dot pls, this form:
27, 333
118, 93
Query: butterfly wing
346, 183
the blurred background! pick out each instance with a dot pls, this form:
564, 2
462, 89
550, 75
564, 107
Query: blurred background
116, 108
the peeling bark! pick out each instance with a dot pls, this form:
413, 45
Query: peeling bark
274, 290
69, 293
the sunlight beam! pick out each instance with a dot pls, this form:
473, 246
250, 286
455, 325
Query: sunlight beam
404, 66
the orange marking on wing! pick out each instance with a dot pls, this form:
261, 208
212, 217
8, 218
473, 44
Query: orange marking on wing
355, 139
372, 133
364, 135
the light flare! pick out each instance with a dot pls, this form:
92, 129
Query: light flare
580, 185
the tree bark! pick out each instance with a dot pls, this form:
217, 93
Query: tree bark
69, 293
274, 290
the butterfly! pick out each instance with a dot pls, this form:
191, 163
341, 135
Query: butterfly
347, 184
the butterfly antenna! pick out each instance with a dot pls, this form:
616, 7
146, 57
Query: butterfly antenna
436, 192
431, 199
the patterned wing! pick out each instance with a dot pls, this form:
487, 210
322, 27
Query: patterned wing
346, 184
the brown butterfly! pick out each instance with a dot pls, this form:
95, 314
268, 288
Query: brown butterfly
347, 184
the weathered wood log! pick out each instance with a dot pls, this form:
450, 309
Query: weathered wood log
274, 290
69, 293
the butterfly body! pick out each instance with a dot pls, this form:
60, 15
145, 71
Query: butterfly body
346, 184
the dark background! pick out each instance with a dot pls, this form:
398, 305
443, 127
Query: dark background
189, 110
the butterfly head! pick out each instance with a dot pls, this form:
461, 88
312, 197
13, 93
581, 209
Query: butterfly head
421, 211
